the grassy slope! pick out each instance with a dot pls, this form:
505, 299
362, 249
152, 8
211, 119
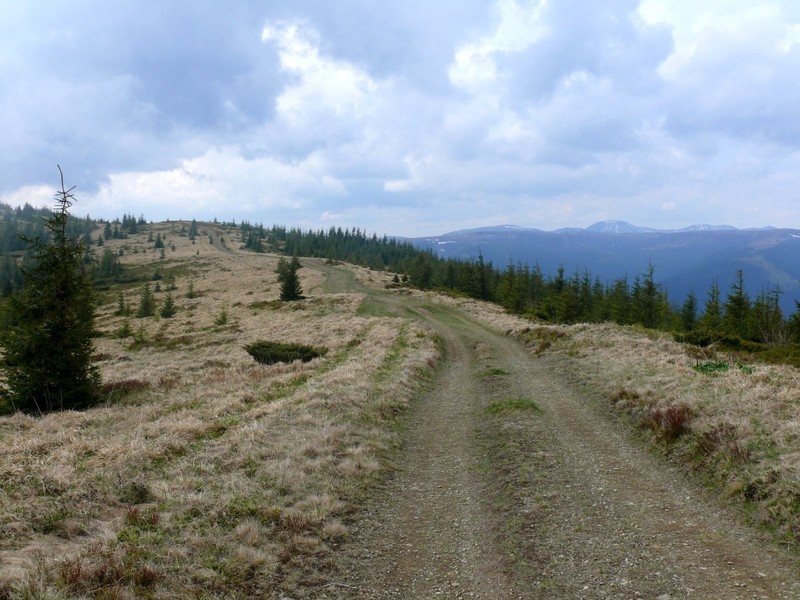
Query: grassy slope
209, 475
205, 473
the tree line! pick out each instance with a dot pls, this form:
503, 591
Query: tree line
20, 225
730, 316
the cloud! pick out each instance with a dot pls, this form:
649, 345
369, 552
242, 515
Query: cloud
327, 98
203, 187
35, 195
520, 26
735, 69
130, 88
419, 114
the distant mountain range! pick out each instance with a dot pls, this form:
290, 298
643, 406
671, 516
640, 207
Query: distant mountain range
685, 260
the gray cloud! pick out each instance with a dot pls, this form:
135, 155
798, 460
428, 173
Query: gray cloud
415, 118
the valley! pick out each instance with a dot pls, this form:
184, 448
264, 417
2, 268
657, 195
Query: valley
686, 261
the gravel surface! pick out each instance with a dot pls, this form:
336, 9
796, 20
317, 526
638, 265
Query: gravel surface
554, 502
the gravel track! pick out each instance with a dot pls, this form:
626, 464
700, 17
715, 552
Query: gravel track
552, 503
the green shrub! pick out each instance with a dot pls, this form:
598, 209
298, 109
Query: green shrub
696, 338
712, 367
503, 407
124, 330
222, 317
289, 280
168, 307
147, 303
269, 353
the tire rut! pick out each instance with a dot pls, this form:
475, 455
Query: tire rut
560, 503
608, 519
428, 536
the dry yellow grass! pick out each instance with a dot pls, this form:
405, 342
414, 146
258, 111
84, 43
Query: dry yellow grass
738, 428
204, 472
207, 474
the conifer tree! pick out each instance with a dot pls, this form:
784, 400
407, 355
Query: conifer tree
168, 307
711, 321
147, 303
736, 315
689, 312
122, 309
47, 340
793, 324
288, 279
647, 299
766, 318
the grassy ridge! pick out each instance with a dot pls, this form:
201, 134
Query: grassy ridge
205, 473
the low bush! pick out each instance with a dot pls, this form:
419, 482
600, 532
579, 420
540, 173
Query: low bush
115, 391
712, 367
269, 353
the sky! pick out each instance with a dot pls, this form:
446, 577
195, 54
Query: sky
407, 118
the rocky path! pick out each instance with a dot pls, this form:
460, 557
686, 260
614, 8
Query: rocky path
514, 483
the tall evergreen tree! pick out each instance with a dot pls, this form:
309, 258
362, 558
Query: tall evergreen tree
711, 321
793, 323
47, 339
648, 299
147, 303
689, 312
766, 318
735, 320
168, 307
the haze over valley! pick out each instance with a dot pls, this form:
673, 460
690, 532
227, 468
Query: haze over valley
686, 260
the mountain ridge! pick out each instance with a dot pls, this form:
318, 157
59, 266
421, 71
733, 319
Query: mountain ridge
685, 260
609, 226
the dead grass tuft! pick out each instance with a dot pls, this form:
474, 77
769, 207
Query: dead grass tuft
723, 438
669, 422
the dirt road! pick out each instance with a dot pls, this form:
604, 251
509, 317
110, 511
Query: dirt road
515, 483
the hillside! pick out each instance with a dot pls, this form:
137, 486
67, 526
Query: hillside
204, 470
685, 260
206, 474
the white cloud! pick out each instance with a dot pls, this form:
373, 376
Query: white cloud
330, 217
412, 115
326, 90
417, 168
35, 195
219, 183
721, 32
521, 25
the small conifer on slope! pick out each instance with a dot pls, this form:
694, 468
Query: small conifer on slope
49, 324
290, 282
